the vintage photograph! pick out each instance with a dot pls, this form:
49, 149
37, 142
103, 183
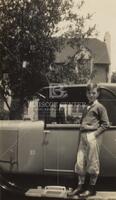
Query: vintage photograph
57, 99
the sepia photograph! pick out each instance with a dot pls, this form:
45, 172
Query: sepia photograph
57, 99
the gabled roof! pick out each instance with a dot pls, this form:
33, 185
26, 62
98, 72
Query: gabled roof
99, 51
97, 48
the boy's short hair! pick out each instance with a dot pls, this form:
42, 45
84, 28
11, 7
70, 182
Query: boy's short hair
91, 86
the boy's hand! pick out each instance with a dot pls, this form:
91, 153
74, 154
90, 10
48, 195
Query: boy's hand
96, 134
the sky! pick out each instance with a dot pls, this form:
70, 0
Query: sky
105, 19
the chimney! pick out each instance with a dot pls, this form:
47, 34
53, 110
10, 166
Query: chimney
107, 40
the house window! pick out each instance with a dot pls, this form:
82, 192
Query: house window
83, 64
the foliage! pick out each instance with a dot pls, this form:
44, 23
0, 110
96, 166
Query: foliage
26, 47
25, 33
74, 34
78, 69
28, 42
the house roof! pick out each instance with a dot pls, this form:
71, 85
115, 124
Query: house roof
96, 47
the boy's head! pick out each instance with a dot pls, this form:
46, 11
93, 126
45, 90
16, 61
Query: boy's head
92, 92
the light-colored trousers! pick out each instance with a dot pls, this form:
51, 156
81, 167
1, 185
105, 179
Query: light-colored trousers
88, 158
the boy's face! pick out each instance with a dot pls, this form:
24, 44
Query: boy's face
92, 95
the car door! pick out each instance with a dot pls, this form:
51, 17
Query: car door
61, 138
60, 149
108, 143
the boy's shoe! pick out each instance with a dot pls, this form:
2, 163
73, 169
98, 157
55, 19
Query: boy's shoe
90, 192
77, 191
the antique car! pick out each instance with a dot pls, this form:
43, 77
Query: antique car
49, 145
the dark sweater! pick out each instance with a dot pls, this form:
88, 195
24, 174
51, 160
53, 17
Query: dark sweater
95, 118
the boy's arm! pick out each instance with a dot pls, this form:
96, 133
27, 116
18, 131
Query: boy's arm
104, 121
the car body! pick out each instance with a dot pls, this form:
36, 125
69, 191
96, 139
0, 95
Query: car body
49, 146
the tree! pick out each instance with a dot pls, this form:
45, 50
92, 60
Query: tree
75, 34
113, 77
28, 41
26, 47
77, 70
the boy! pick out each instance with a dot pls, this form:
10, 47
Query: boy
94, 121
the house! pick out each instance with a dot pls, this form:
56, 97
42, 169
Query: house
96, 51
